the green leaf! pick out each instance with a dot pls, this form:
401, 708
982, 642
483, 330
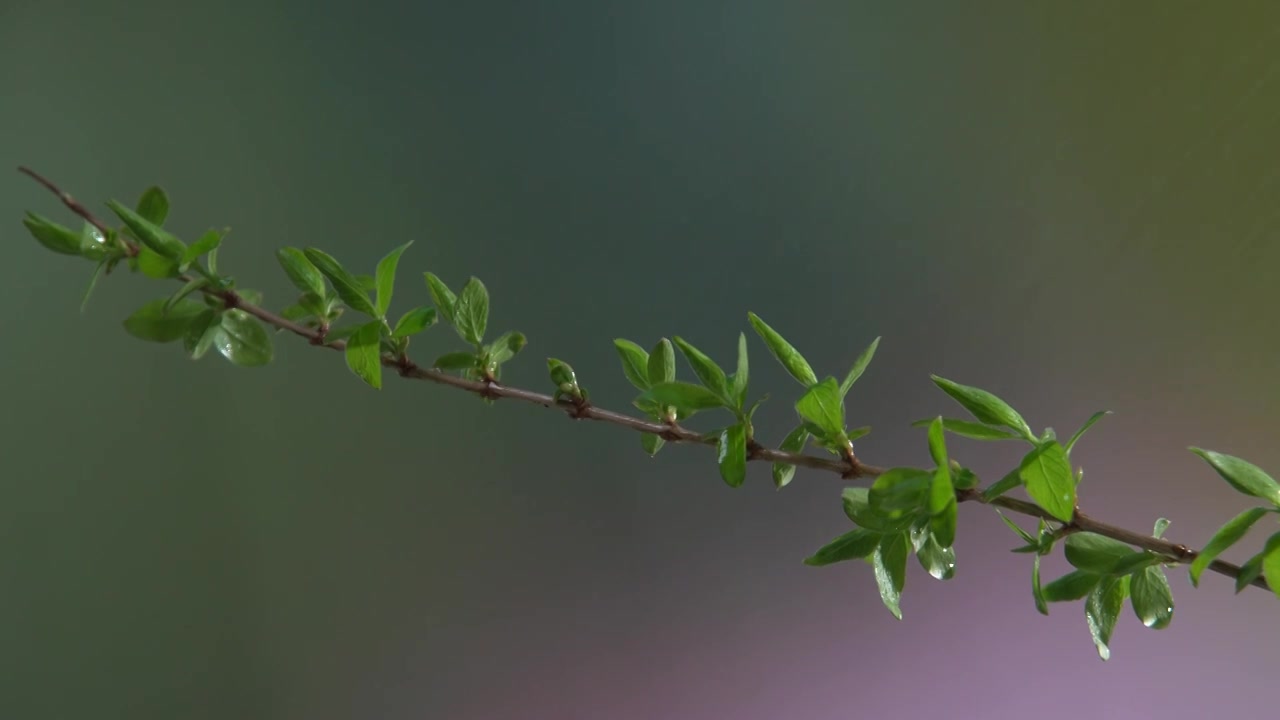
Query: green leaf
937, 443
683, 395
201, 333
93, 283
1151, 597
1227, 535
1088, 424
790, 358
858, 507
1271, 563
859, 366
1101, 610
1002, 486
561, 372
149, 233
732, 455
793, 443
364, 349
1161, 525
414, 322
154, 205
936, 559
1037, 592
188, 288
985, 406
506, 347
635, 363
1102, 555
1026, 536
471, 312
53, 236
708, 372
155, 265
823, 406
738, 389
942, 506
442, 296
856, 544
346, 284
151, 322
971, 430
890, 559
456, 361
1243, 475
243, 340
651, 443
1046, 473
92, 243
304, 276
207, 243
900, 490
385, 277
1072, 586
1250, 570
962, 477
662, 363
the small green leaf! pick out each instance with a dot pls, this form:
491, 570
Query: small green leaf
1271, 563
442, 296
635, 363
1088, 424
1101, 610
93, 283
1002, 486
856, 544
243, 340
900, 490
792, 443
154, 205
1072, 586
709, 373
937, 443
962, 477
201, 333
456, 361
1243, 475
936, 559
1250, 570
1037, 592
346, 284
858, 508
507, 346
92, 243
662, 363
1227, 535
1161, 525
151, 322
859, 366
561, 373
890, 560
732, 455
1026, 536
52, 235
207, 243
738, 391
985, 406
1151, 597
471, 312
1046, 473
188, 288
683, 395
149, 233
823, 406
304, 276
364, 350
385, 277
943, 509
651, 443
971, 430
790, 358
155, 265
1102, 555
414, 322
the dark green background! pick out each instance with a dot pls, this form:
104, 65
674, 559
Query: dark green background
1071, 204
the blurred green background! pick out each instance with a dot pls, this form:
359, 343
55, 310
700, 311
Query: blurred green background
1071, 204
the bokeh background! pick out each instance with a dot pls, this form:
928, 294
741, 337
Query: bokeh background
1071, 204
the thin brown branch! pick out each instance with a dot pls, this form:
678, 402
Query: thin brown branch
850, 467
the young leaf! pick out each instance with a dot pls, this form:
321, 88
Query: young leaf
890, 560
985, 407
790, 358
738, 391
859, 366
154, 205
1072, 586
651, 443
793, 443
455, 361
506, 347
151, 234
1243, 475
1161, 525
1026, 536
1037, 592
151, 322
822, 406
944, 512
900, 490
635, 363
661, 363
364, 350
442, 296
962, 477
1047, 475
1226, 536
1102, 555
346, 284
188, 288
52, 235
708, 372
936, 559
565, 380
686, 396
93, 245
93, 283
1271, 563
858, 508
243, 340
937, 443
1151, 597
1002, 486
471, 312
853, 545
1250, 570
971, 430
201, 333
154, 265
732, 455
1088, 424
385, 277
1101, 610
414, 322
304, 276
207, 243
